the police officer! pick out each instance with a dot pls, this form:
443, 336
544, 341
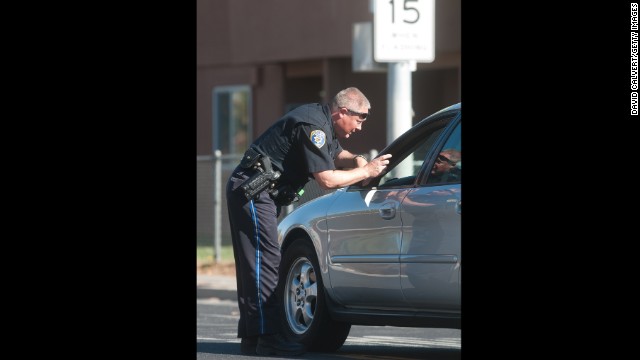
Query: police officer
301, 146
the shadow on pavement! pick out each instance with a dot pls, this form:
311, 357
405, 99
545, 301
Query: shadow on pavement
219, 348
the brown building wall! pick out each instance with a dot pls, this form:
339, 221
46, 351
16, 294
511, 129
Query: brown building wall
213, 38
250, 31
269, 98
275, 30
298, 51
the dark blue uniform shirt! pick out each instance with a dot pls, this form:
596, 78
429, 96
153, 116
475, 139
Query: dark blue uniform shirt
302, 142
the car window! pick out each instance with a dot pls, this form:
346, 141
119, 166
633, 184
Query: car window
409, 151
406, 171
447, 167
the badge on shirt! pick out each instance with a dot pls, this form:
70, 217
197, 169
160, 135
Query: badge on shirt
318, 138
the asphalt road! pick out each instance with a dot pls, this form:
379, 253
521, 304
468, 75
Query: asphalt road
217, 317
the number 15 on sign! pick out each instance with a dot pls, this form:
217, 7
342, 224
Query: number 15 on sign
404, 30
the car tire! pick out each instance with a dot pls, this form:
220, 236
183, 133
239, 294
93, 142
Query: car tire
305, 315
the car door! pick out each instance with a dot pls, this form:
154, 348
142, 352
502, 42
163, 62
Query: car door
364, 243
431, 215
365, 226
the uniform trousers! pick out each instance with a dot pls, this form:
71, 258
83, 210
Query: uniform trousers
257, 256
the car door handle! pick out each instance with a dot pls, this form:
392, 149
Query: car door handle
387, 211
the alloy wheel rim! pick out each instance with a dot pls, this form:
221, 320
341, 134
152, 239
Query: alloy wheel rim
300, 295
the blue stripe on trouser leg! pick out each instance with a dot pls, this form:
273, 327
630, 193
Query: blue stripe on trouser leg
256, 227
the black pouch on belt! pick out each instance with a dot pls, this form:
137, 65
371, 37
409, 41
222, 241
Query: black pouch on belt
250, 158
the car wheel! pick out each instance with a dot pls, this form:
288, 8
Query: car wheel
306, 317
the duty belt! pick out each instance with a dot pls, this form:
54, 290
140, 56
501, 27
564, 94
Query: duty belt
264, 177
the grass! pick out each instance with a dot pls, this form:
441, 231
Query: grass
205, 254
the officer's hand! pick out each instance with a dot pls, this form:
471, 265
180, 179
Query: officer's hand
376, 166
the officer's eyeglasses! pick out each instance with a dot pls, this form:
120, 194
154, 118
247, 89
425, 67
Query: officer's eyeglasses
442, 158
363, 116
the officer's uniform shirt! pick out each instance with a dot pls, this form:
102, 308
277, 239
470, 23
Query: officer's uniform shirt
302, 142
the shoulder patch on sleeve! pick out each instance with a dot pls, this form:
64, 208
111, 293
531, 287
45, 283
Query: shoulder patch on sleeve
318, 138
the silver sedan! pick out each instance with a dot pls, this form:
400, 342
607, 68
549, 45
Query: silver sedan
383, 254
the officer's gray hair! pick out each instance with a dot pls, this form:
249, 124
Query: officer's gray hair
351, 98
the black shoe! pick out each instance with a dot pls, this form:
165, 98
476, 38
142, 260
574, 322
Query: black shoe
276, 344
248, 345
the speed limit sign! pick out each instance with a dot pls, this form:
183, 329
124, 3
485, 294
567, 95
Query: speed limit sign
404, 30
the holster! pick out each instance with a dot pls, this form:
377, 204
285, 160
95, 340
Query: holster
264, 177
